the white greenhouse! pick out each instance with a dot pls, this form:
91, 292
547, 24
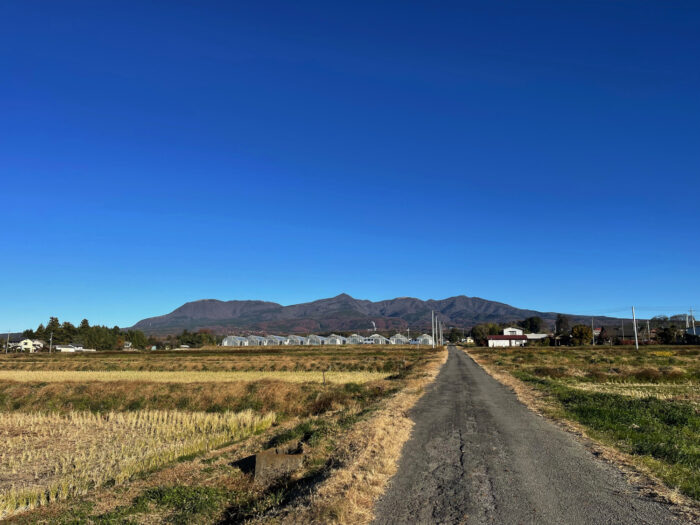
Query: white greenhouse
355, 339
425, 339
398, 339
334, 339
378, 339
295, 340
316, 340
256, 340
274, 340
234, 340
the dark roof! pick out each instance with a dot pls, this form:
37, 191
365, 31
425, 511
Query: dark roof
506, 337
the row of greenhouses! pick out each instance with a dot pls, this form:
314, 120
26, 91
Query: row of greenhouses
319, 340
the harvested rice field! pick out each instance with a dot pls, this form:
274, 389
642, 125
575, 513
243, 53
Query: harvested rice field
60, 376
157, 437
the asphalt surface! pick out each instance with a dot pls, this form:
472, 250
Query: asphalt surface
477, 455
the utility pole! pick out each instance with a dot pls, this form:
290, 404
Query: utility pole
634, 322
7, 343
648, 331
692, 320
51, 343
432, 325
623, 329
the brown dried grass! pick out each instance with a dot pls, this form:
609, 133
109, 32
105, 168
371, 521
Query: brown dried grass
367, 457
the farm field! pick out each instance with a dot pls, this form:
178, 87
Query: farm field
154, 437
645, 403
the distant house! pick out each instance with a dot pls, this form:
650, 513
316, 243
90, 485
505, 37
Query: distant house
355, 339
30, 345
378, 339
511, 337
512, 330
334, 339
127, 345
398, 339
468, 340
425, 339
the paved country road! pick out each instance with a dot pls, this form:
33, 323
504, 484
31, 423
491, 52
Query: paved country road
477, 455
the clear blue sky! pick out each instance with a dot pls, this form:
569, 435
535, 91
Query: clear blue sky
543, 154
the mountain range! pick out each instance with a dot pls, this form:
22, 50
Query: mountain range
340, 314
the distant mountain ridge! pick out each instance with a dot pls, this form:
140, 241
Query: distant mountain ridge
340, 313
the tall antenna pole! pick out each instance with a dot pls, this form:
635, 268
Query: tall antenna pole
634, 322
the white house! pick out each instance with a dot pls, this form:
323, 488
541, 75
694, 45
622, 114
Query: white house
511, 337
355, 339
30, 345
425, 339
378, 339
334, 339
398, 339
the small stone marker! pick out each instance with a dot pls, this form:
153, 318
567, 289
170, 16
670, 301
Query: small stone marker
277, 462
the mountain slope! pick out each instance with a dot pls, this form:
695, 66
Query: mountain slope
340, 313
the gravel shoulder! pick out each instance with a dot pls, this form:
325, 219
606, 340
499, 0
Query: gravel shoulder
479, 456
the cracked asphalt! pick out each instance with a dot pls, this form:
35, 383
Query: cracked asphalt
479, 456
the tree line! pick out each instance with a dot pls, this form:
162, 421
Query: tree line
97, 337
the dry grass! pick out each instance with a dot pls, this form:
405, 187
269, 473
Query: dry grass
61, 376
367, 457
78, 437
46, 458
371, 358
